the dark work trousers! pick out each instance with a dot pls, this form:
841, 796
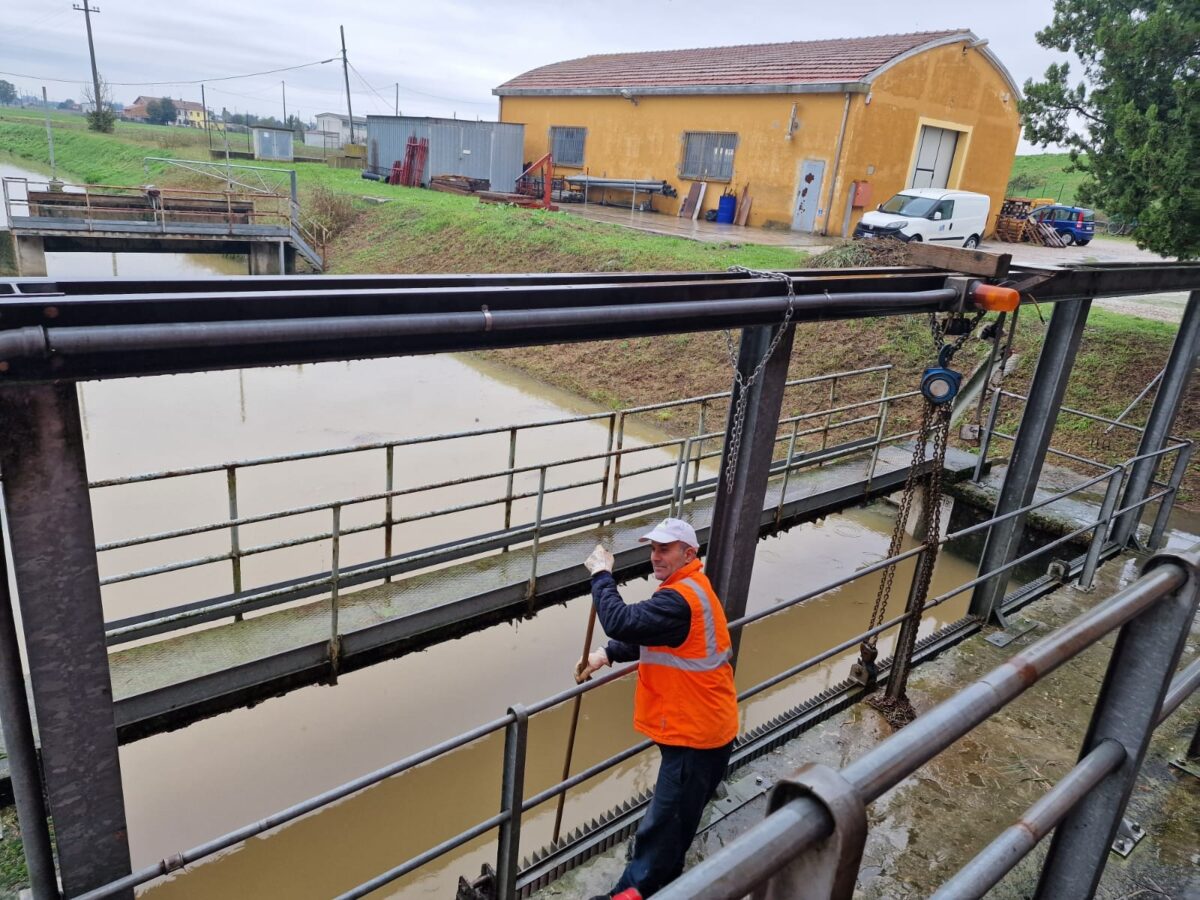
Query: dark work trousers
687, 780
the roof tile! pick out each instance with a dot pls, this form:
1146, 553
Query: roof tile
795, 62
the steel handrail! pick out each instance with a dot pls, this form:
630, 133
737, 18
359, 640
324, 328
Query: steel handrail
477, 432
1190, 676
745, 863
233, 523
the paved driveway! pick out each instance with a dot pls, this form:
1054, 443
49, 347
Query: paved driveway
1161, 307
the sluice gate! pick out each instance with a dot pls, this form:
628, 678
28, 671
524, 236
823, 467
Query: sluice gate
53, 333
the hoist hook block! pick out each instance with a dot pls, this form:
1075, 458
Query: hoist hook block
940, 384
865, 672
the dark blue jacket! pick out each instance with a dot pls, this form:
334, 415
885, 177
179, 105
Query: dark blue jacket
661, 621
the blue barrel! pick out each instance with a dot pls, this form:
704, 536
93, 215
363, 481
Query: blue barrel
726, 208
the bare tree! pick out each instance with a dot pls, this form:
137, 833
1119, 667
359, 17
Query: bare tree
101, 117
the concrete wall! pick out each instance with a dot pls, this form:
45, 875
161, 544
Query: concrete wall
8, 253
942, 86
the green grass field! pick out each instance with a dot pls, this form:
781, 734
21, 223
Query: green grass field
1045, 175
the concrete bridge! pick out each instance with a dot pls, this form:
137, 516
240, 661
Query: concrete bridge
114, 330
91, 218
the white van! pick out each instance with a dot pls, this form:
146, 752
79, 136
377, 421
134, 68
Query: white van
949, 218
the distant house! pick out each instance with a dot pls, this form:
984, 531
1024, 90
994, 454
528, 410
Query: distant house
340, 125
814, 131
187, 112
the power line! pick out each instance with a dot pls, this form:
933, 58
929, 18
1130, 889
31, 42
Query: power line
421, 93
35, 26
368, 85
319, 62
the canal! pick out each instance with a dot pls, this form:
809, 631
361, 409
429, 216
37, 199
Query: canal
185, 787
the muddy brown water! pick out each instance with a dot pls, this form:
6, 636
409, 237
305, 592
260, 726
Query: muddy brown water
188, 786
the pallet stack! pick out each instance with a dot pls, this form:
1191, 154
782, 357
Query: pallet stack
1015, 226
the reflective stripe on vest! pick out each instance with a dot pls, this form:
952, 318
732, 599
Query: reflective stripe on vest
713, 659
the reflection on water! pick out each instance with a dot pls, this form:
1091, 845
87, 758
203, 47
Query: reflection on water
185, 787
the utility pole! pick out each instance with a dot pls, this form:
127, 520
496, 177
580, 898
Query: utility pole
346, 75
283, 87
397, 98
204, 112
87, 9
49, 137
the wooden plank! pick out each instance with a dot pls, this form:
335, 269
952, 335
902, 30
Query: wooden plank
744, 211
739, 217
689, 202
700, 200
956, 259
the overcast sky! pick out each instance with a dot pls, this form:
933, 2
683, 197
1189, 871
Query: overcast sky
446, 56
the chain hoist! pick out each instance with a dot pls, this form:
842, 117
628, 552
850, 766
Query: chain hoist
939, 386
743, 384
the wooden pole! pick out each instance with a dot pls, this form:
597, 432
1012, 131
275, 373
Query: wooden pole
562, 798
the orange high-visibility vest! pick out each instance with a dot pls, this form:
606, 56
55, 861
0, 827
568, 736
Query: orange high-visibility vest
685, 695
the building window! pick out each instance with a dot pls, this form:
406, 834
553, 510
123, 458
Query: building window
708, 155
566, 143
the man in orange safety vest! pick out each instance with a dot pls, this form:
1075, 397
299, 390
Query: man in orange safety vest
685, 700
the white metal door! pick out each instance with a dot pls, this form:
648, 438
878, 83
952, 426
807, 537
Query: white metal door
935, 153
808, 195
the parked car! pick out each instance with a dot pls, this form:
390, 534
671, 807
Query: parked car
937, 215
1074, 224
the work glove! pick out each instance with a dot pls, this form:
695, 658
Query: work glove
600, 560
596, 660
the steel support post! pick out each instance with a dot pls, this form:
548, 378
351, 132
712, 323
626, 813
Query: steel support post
1163, 519
512, 797
25, 773
738, 509
54, 558
1139, 674
1029, 450
1162, 416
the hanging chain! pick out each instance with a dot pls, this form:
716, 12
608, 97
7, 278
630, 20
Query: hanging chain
743, 385
935, 426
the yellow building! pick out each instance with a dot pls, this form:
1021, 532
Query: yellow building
814, 131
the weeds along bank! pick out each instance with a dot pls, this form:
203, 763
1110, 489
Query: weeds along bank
417, 230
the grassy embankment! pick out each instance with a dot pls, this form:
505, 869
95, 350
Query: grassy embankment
1045, 172
424, 231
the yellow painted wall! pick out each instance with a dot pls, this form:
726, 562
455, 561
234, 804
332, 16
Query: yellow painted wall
645, 140
944, 88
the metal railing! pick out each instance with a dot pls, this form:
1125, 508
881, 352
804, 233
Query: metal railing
101, 206
868, 416
780, 856
514, 805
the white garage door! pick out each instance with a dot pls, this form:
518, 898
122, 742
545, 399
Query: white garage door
934, 156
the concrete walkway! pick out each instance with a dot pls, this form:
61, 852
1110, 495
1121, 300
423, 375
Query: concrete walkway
705, 232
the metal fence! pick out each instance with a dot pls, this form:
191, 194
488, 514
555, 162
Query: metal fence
780, 857
616, 465
512, 882
101, 207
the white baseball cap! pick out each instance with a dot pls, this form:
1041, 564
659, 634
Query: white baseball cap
670, 530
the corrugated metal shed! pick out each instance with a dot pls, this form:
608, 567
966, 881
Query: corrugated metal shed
491, 150
273, 143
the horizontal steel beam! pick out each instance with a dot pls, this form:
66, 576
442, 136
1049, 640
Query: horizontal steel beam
168, 327
62, 352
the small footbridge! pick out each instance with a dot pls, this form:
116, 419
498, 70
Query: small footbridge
241, 215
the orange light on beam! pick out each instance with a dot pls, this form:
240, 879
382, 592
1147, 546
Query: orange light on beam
994, 298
